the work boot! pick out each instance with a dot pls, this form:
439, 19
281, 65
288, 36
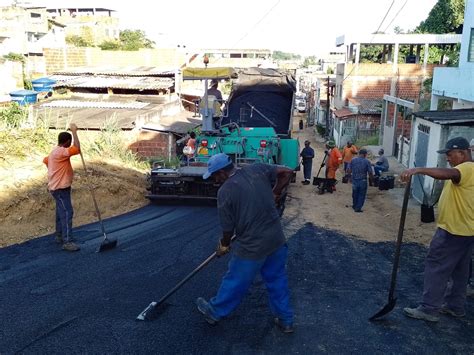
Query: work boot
206, 309
284, 328
58, 238
71, 246
450, 312
470, 291
418, 313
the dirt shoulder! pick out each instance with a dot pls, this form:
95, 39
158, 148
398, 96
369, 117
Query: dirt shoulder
378, 222
27, 209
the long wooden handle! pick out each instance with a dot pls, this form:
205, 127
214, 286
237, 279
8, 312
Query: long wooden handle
93, 197
401, 227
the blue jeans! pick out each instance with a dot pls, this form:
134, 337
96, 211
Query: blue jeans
307, 166
239, 278
64, 213
359, 191
447, 260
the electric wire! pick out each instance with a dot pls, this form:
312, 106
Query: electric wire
396, 15
373, 36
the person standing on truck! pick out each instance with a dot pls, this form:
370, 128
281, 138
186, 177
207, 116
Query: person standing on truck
214, 91
190, 148
307, 155
246, 205
450, 250
60, 176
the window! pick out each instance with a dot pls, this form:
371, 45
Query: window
470, 49
35, 15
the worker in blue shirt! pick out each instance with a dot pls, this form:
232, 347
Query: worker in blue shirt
307, 155
360, 167
246, 204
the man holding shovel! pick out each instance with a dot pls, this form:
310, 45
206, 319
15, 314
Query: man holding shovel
246, 206
60, 176
450, 250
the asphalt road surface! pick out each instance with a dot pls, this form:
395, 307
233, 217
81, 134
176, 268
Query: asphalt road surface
54, 302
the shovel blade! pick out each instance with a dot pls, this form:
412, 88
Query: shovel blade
107, 244
385, 310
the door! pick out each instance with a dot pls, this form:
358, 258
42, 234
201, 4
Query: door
421, 156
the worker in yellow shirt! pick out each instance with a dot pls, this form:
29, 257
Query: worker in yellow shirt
449, 255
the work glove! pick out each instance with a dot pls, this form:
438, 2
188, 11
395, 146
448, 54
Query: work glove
323, 165
222, 249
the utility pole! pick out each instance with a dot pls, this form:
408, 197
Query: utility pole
328, 105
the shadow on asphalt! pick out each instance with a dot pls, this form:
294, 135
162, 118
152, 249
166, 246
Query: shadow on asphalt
55, 302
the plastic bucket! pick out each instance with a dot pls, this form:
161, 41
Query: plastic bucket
427, 214
43, 84
24, 97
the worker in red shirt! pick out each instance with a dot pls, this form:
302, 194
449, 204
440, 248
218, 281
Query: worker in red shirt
60, 176
334, 160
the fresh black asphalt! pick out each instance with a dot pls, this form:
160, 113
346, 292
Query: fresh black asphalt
54, 302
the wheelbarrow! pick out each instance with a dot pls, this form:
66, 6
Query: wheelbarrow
324, 184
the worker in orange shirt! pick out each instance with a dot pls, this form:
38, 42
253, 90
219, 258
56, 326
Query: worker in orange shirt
349, 151
334, 160
60, 176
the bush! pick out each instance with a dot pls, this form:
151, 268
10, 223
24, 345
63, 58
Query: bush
13, 116
110, 46
321, 130
78, 41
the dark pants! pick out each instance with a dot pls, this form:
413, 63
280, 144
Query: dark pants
307, 167
239, 278
379, 169
448, 260
359, 191
64, 213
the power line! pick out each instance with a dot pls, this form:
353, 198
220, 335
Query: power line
396, 15
373, 36
257, 23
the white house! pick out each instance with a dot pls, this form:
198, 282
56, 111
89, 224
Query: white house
456, 84
432, 129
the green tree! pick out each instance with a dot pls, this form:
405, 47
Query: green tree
78, 41
309, 61
110, 45
133, 40
279, 55
447, 16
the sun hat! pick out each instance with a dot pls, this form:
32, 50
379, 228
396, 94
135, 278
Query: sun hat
455, 143
216, 163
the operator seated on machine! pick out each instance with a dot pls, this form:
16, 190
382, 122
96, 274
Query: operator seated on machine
214, 103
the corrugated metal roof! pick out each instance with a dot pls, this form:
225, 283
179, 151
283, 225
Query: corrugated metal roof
114, 82
344, 112
96, 104
448, 117
120, 71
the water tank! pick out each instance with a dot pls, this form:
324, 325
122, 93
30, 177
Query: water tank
24, 97
43, 84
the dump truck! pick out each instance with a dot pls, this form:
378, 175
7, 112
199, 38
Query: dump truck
255, 126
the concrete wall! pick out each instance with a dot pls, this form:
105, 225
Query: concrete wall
72, 57
12, 77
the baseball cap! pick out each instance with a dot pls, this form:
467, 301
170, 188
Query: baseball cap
331, 144
214, 82
363, 151
306, 142
216, 163
455, 143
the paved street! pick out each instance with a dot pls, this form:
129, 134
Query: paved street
55, 302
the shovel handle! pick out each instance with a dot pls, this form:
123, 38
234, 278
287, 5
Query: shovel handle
401, 227
93, 198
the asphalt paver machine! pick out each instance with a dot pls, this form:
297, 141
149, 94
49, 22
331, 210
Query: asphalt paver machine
254, 126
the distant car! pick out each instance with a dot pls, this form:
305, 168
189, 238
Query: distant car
301, 106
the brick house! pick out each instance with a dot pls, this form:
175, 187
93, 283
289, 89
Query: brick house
371, 81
